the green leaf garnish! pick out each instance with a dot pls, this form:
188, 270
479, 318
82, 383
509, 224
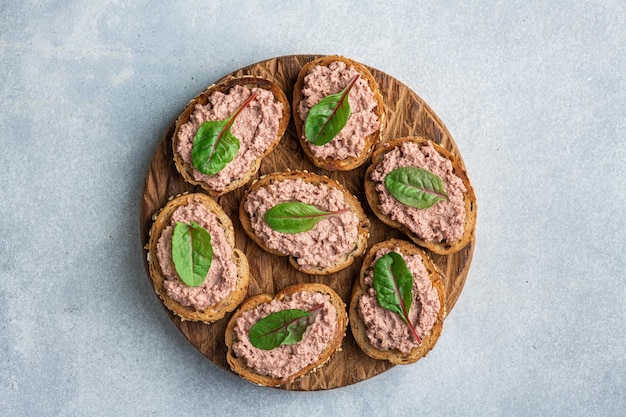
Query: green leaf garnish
296, 217
415, 187
214, 146
393, 283
192, 252
326, 119
284, 327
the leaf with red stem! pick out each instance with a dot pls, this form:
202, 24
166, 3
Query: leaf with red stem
326, 119
214, 146
285, 327
296, 217
393, 283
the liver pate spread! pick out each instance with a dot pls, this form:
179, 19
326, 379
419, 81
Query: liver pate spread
322, 81
443, 222
321, 246
286, 360
255, 127
385, 329
222, 275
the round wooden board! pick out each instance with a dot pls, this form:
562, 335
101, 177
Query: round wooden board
407, 114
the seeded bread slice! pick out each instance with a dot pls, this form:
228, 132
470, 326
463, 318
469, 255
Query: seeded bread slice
442, 248
371, 140
359, 329
238, 365
346, 260
186, 169
217, 311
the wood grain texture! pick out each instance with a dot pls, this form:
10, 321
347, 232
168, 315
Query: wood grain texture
407, 115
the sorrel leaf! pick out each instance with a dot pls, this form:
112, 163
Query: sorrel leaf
296, 217
192, 252
326, 119
393, 283
415, 187
214, 146
285, 327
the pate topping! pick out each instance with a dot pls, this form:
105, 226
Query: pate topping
286, 360
256, 128
386, 329
321, 246
222, 276
441, 222
322, 81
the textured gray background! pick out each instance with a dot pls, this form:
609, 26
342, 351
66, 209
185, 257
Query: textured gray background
534, 95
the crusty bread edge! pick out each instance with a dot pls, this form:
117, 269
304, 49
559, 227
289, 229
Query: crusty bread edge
469, 226
371, 140
218, 311
249, 81
357, 326
363, 226
239, 366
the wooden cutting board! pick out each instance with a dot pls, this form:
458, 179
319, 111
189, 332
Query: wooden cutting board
407, 114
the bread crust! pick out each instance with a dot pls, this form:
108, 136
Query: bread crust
370, 141
249, 81
239, 366
219, 310
362, 228
359, 288
469, 226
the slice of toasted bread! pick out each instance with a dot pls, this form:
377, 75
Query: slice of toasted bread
357, 325
370, 141
442, 248
187, 169
228, 304
239, 366
344, 261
